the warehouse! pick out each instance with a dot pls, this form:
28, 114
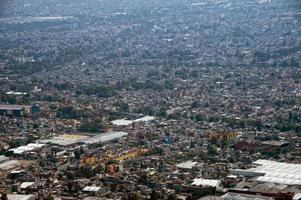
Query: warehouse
73, 139
14, 110
17, 110
274, 172
27, 148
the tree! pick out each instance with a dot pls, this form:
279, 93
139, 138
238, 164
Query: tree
199, 117
77, 154
162, 112
68, 112
9, 153
171, 197
242, 123
92, 126
52, 107
133, 196
212, 150
154, 195
11, 99
195, 104
4, 196
123, 106
258, 125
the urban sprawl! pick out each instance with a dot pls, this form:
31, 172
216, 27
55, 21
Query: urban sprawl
149, 100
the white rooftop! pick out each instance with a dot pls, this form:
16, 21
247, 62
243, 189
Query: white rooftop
11, 164
13, 107
65, 141
25, 185
205, 182
105, 137
91, 189
20, 197
16, 93
278, 172
125, 122
122, 122
187, 165
145, 119
3, 158
29, 147
297, 196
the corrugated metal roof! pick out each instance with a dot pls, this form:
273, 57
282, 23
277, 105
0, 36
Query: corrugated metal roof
205, 182
278, 172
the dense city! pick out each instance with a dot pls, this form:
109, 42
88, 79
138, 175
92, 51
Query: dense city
150, 100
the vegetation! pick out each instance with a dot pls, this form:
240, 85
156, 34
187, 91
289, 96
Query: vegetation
69, 112
100, 91
91, 126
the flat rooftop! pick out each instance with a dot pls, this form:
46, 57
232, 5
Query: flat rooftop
13, 107
275, 172
20, 197
70, 139
235, 196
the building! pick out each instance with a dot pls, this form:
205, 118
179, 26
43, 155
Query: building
20, 197
273, 172
249, 195
227, 135
6, 164
27, 148
206, 182
17, 110
74, 139
187, 165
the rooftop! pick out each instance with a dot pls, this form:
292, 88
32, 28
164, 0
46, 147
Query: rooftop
11, 164
13, 107
125, 122
277, 172
20, 197
70, 139
91, 189
205, 182
28, 147
187, 165
234, 196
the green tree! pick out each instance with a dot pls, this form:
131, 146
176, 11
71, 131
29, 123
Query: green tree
92, 126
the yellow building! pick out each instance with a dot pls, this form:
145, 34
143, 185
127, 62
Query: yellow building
228, 135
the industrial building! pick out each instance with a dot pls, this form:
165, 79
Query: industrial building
273, 172
17, 110
73, 139
27, 148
